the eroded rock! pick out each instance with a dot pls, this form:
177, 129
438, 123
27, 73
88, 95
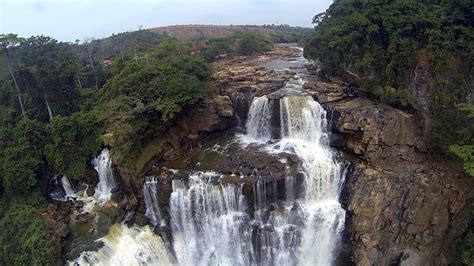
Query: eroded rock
405, 203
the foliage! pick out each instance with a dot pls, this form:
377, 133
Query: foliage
48, 74
388, 47
21, 155
250, 43
379, 40
243, 43
382, 45
24, 238
140, 99
72, 140
464, 151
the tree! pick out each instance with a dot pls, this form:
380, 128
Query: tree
49, 70
24, 238
73, 139
21, 155
143, 97
8, 41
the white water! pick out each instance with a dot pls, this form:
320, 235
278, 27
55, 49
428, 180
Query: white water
103, 165
212, 225
127, 246
303, 126
67, 191
259, 117
150, 193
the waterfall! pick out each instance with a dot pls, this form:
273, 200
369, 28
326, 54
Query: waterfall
127, 246
259, 117
63, 189
151, 202
213, 225
303, 131
103, 165
248, 223
208, 222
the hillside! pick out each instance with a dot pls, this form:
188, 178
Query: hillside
202, 32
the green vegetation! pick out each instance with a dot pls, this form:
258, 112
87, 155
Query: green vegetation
72, 140
396, 50
385, 46
24, 238
59, 105
243, 43
142, 97
287, 34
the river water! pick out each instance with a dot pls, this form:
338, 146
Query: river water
212, 222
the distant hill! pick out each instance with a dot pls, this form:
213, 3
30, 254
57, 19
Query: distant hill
202, 32
125, 43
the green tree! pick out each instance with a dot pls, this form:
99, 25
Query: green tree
21, 155
73, 139
24, 238
143, 97
49, 71
8, 41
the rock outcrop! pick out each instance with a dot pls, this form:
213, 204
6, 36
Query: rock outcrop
238, 80
195, 123
406, 204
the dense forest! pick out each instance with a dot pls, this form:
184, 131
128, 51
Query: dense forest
61, 102
385, 47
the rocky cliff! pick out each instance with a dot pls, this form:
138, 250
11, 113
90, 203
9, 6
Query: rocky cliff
406, 204
236, 81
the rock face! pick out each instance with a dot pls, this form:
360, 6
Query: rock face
209, 115
238, 80
404, 202
57, 216
405, 205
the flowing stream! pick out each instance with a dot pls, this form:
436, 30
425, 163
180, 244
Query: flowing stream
217, 223
63, 190
103, 165
150, 193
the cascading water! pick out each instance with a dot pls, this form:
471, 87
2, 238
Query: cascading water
259, 117
303, 123
63, 189
103, 165
208, 223
247, 223
211, 222
150, 192
127, 246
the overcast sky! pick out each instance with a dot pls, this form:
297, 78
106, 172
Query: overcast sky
68, 20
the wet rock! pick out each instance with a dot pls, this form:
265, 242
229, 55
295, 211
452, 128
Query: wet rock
140, 219
84, 218
61, 229
79, 204
90, 191
410, 258
117, 194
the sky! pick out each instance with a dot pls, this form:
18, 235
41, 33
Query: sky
68, 20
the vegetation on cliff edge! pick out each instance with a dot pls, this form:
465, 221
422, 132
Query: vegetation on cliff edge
416, 55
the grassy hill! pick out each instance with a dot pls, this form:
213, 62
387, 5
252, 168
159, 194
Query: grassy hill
202, 32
